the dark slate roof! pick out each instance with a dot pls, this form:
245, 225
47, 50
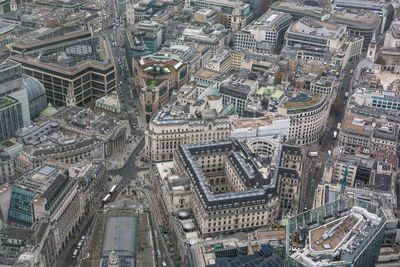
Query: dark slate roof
288, 173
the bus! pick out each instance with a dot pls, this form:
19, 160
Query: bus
106, 199
113, 189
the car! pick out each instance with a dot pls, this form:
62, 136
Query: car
79, 245
75, 253
83, 238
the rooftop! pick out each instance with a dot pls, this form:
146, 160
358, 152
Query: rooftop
335, 233
318, 28
302, 100
6, 101
356, 18
69, 55
40, 180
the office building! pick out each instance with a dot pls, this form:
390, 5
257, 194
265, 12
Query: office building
141, 39
53, 144
311, 9
359, 22
316, 34
231, 14
11, 85
109, 131
45, 37
10, 117
7, 170
234, 186
74, 72
308, 113
345, 232
170, 128
235, 93
49, 202
269, 28
385, 10
156, 76
268, 125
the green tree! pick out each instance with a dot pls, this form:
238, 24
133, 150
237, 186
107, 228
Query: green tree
380, 60
337, 105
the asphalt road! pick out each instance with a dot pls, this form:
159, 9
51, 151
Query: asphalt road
315, 166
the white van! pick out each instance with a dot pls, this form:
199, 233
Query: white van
75, 253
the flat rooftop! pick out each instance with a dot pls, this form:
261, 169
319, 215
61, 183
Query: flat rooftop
302, 100
309, 26
256, 122
70, 55
38, 180
335, 233
210, 74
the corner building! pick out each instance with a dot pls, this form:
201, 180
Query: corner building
232, 190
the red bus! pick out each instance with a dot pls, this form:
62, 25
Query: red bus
106, 199
113, 189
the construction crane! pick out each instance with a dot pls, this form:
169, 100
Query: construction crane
344, 180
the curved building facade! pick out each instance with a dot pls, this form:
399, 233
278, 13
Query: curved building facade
36, 96
308, 113
359, 22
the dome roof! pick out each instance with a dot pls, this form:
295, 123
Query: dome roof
33, 87
49, 111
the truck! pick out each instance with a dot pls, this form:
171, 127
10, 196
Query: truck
313, 154
346, 95
334, 134
338, 126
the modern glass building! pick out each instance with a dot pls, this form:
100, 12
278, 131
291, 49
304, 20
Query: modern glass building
345, 232
38, 193
10, 117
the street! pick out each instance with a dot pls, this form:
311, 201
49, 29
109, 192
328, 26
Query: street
314, 166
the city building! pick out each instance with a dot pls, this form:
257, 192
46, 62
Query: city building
236, 93
359, 22
234, 184
11, 85
170, 128
225, 252
269, 28
110, 131
267, 125
7, 170
230, 13
46, 36
385, 10
156, 76
205, 15
124, 234
346, 232
11, 118
308, 113
49, 201
141, 39
109, 103
311, 9
215, 37
74, 72
43, 145
317, 34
